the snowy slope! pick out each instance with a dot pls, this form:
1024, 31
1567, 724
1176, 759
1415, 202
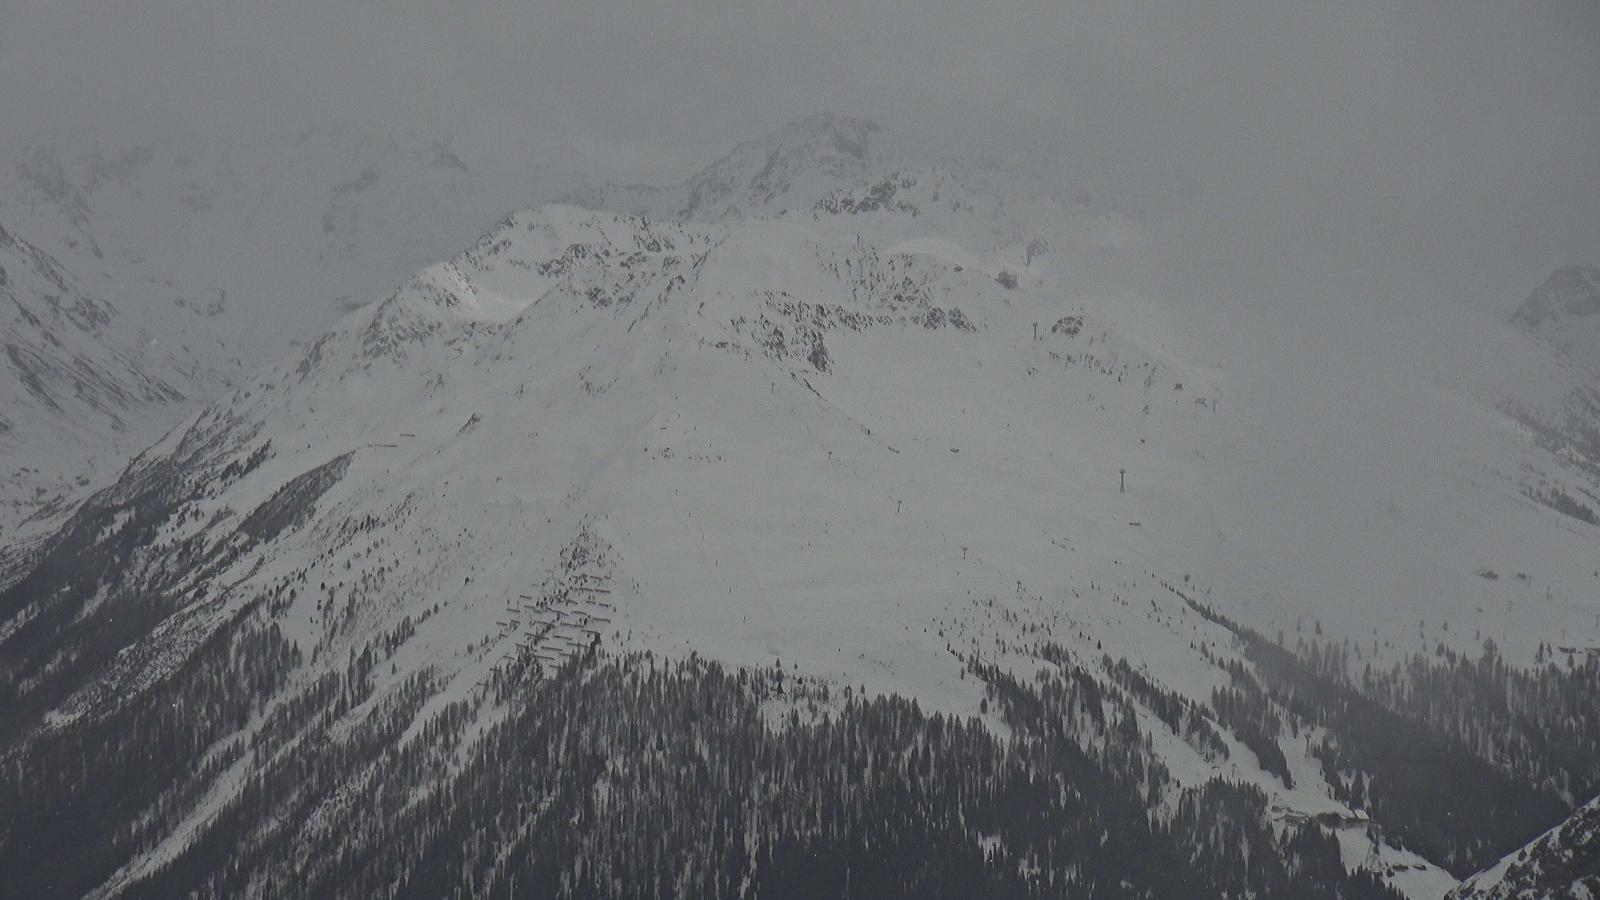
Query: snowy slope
211, 260
273, 238
1389, 429
78, 393
1565, 862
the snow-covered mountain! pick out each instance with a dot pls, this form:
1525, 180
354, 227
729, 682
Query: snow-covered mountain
209, 261
1563, 862
825, 148
805, 157
1565, 312
80, 392
869, 438
273, 238
852, 176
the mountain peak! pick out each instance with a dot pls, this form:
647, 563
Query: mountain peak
761, 169
846, 135
1565, 314
1569, 291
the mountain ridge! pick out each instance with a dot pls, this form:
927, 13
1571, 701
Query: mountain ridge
76, 391
1563, 862
207, 261
1562, 312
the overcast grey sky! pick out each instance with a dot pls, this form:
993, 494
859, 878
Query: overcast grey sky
1451, 146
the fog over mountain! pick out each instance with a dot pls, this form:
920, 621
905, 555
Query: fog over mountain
1435, 148
677, 450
